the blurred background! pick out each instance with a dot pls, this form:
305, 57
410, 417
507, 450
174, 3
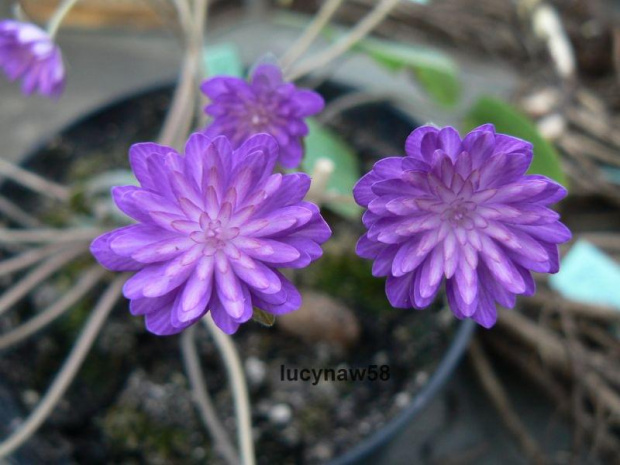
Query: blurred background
544, 385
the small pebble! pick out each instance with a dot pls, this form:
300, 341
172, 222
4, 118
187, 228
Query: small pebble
256, 370
30, 397
402, 399
280, 414
421, 378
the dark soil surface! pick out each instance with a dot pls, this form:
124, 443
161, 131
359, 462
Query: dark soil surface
131, 401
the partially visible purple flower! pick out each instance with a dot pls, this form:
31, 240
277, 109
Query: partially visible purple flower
464, 210
28, 52
213, 227
265, 104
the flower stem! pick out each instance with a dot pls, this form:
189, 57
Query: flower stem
325, 14
241, 398
33, 181
17, 214
22, 287
201, 396
58, 16
48, 235
27, 258
179, 118
90, 279
321, 174
68, 371
360, 31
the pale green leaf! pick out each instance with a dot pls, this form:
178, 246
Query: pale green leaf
323, 143
436, 72
508, 120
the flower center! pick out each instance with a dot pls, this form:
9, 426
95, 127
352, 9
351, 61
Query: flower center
214, 234
460, 213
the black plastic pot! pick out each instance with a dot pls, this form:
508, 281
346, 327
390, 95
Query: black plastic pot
368, 450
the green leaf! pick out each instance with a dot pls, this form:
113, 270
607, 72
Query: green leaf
323, 143
436, 72
222, 60
508, 120
264, 318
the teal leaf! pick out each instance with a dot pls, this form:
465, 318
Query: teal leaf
323, 143
508, 120
222, 60
436, 72
589, 275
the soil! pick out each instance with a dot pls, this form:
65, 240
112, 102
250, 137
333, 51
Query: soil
131, 401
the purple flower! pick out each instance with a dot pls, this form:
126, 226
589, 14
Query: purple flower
464, 210
28, 52
265, 104
213, 226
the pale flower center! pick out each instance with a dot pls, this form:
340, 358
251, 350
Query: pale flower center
460, 213
214, 235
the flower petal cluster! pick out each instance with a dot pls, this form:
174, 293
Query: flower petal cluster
213, 227
265, 104
463, 210
28, 53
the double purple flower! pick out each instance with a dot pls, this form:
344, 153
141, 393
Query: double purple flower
28, 53
266, 104
463, 210
213, 227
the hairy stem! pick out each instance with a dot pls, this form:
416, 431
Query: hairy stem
68, 371
360, 31
56, 236
239, 386
17, 214
22, 287
324, 15
33, 181
90, 279
59, 16
25, 259
179, 118
207, 411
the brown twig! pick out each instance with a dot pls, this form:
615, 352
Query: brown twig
530, 364
494, 389
554, 353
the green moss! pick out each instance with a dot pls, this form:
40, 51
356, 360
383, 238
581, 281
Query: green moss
131, 431
349, 278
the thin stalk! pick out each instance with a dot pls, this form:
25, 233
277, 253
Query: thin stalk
179, 118
323, 16
363, 28
68, 371
321, 174
57, 309
25, 259
236, 377
207, 411
33, 181
57, 236
17, 214
59, 16
22, 287
201, 13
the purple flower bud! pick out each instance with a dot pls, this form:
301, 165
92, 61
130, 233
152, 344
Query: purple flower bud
213, 227
463, 210
28, 53
265, 104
